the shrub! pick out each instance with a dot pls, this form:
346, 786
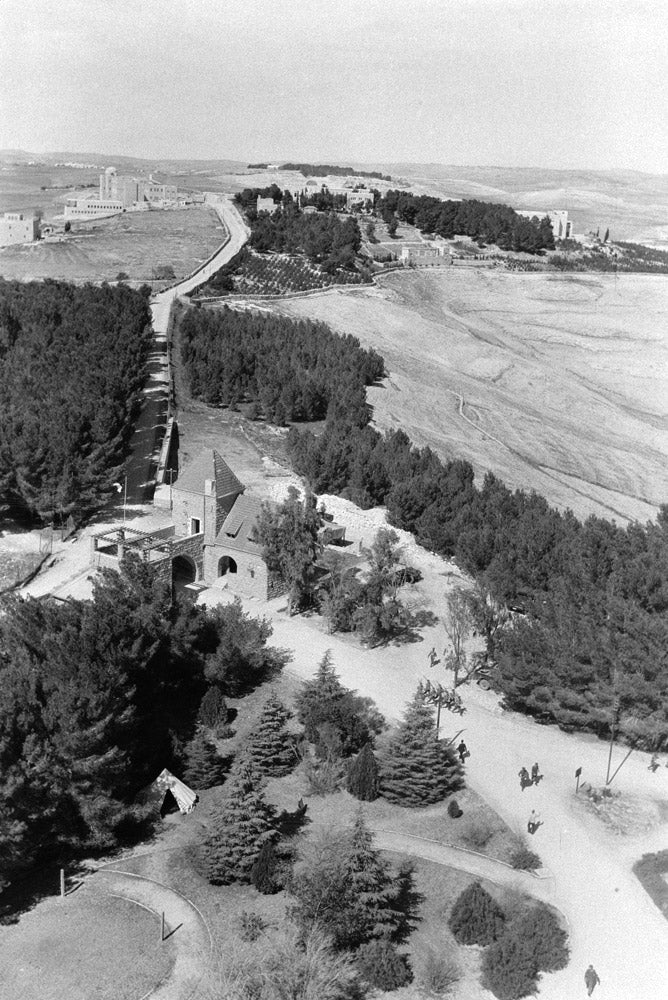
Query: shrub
323, 776
476, 918
382, 966
541, 929
263, 872
477, 831
509, 969
437, 973
524, 859
363, 775
453, 809
251, 925
213, 708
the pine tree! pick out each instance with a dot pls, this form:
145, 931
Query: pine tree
363, 775
204, 765
243, 824
476, 918
374, 889
270, 747
263, 872
417, 769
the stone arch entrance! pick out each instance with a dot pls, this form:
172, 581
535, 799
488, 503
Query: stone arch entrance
184, 571
226, 564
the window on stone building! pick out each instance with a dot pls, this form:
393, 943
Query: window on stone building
194, 526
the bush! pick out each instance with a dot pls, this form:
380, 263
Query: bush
363, 775
263, 872
524, 859
454, 812
213, 708
437, 973
509, 970
541, 929
324, 777
476, 918
382, 966
251, 925
477, 832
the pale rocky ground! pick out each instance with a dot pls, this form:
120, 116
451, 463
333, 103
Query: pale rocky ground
554, 383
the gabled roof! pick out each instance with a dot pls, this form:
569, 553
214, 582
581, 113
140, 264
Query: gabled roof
208, 465
238, 525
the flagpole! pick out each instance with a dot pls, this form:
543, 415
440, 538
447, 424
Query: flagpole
125, 498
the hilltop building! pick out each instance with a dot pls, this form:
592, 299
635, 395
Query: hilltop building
561, 227
210, 538
121, 193
425, 255
17, 227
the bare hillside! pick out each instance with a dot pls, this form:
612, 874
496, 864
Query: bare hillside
554, 383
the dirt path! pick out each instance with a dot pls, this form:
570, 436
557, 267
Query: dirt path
613, 922
184, 924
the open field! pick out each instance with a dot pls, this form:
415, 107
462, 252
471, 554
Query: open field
135, 242
90, 946
556, 383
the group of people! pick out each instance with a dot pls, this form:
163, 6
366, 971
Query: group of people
527, 779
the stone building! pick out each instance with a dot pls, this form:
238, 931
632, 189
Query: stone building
209, 540
17, 227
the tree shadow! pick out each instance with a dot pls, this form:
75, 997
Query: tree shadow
289, 823
28, 890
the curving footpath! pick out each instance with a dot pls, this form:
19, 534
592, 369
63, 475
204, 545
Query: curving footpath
189, 934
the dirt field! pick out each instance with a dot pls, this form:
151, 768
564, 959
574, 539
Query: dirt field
554, 383
135, 242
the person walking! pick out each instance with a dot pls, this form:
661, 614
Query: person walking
463, 751
524, 778
534, 822
591, 980
535, 774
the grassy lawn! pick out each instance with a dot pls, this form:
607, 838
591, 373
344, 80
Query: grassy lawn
90, 947
652, 871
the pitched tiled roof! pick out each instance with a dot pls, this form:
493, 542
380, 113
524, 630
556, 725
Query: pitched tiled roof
238, 525
208, 465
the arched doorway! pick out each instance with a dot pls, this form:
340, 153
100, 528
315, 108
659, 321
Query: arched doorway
184, 571
226, 565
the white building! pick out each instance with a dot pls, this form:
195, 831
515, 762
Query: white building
561, 227
17, 227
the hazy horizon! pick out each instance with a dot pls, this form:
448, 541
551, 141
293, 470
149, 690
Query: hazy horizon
561, 85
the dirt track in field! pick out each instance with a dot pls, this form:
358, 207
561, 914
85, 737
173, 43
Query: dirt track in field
557, 383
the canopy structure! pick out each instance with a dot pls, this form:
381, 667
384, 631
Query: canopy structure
184, 797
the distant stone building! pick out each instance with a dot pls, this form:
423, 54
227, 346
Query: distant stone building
17, 227
132, 191
425, 255
266, 205
561, 227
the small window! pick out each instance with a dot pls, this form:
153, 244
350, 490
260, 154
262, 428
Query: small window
194, 526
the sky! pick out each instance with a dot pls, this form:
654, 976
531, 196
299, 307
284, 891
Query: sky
529, 83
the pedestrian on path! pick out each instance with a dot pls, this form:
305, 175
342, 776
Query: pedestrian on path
524, 778
463, 751
535, 774
591, 980
433, 657
534, 822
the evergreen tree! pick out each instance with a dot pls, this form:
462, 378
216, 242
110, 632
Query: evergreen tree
363, 775
204, 765
288, 535
476, 918
509, 968
213, 708
270, 747
417, 769
263, 872
242, 825
373, 887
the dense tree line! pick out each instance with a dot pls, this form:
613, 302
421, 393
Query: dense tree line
292, 370
482, 221
72, 366
97, 697
593, 639
326, 239
327, 169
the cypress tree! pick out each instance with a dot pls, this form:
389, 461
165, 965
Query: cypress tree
417, 769
242, 825
363, 775
476, 918
270, 746
204, 765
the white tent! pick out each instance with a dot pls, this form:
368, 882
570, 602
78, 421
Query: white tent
185, 797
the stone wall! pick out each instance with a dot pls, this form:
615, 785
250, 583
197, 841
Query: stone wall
192, 546
250, 579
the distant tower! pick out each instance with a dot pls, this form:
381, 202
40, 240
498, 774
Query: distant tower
108, 184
